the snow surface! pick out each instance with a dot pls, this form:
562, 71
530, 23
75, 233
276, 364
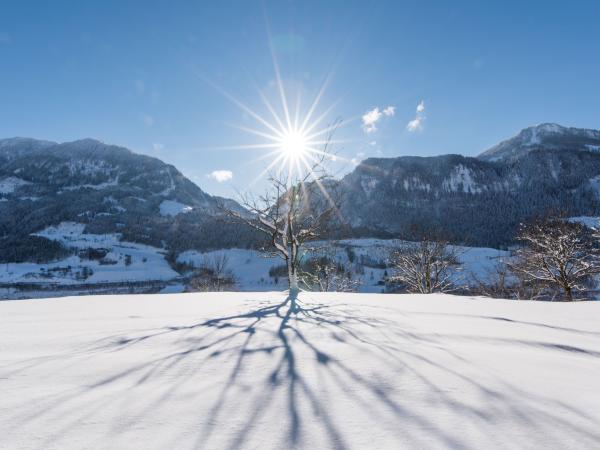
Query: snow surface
251, 269
147, 263
588, 221
97, 187
11, 184
345, 371
172, 208
461, 180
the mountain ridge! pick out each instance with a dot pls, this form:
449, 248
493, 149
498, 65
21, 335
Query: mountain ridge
550, 136
477, 200
107, 188
474, 200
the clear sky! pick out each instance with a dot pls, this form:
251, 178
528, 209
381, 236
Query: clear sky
155, 76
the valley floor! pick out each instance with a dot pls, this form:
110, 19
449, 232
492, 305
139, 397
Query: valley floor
340, 371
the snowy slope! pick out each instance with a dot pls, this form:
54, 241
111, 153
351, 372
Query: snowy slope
233, 371
11, 184
172, 208
124, 261
250, 268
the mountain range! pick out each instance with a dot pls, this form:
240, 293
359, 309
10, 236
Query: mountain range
479, 200
108, 189
472, 200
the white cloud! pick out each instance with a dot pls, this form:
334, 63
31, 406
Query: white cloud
369, 119
417, 123
389, 111
221, 175
357, 158
157, 147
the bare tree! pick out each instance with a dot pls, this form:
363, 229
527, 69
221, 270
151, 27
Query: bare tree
424, 267
298, 207
557, 254
323, 273
502, 282
212, 275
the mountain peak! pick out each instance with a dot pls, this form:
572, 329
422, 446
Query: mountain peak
545, 136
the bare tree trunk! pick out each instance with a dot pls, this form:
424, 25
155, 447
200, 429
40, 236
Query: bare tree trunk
568, 292
293, 271
293, 281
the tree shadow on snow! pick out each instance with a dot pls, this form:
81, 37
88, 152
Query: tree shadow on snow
297, 369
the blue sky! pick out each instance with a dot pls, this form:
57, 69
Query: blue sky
150, 76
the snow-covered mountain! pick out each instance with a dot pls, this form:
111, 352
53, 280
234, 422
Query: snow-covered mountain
84, 211
478, 201
107, 190
547, 136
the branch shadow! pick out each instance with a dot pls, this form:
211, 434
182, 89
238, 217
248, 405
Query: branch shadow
297, 367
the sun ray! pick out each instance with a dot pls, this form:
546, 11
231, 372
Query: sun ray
282, 95
266, 170
330, 128
243, 147
244, 107
257, 132
269, 106
315, 102
319, 119
327, 196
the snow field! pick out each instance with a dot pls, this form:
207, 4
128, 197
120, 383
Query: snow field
340, 371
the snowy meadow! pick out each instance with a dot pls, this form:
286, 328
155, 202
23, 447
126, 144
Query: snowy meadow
257, 370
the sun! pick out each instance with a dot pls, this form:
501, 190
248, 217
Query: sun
295, 137
294, 145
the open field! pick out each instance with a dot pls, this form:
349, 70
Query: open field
344, 371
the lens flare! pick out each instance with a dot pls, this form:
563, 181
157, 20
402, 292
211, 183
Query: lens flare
294, 145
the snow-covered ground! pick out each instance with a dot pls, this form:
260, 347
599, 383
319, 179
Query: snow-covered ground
172, 208
250, 268
345, 371
11, 184
588, 221
123, 262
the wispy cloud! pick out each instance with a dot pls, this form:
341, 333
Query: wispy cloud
417, 123
389, 111
157, 147
221, 175
357, 159
370, 118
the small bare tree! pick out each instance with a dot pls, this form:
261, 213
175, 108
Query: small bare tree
424, 267
212, 275
298, 207
557, 254
502, 282
324, 274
